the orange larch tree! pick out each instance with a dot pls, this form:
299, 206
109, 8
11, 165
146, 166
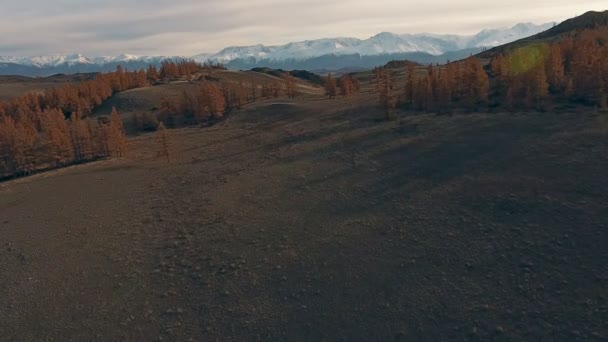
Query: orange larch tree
330, 86
116, 135
290, 85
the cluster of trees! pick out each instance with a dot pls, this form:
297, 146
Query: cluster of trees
50, 129
82, 98
346, 86
462, 84
207, 102
173, 70
212, 100
52, 141
79, 98
574, 68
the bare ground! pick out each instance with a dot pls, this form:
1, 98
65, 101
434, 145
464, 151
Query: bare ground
314, 221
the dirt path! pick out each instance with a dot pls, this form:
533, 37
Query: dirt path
313, 221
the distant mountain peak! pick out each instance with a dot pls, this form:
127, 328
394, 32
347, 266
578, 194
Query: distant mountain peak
381, 44
385, 35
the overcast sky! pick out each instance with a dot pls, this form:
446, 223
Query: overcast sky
189, 27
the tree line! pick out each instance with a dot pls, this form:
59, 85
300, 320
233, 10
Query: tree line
573, 69
52, 128
54, 141
211, 100
171, 70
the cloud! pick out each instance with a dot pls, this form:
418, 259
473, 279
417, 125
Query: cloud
188, 27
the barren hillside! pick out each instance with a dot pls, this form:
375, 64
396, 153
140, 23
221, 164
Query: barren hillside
312, 220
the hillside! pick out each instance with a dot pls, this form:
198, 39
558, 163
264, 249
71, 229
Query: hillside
301, 74
314, 219
588, 20
147, 100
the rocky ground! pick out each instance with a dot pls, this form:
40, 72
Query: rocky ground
313, 220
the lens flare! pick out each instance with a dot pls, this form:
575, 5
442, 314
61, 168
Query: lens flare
527, 58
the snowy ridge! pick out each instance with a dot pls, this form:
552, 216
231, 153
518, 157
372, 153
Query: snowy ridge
79, 59
382, 44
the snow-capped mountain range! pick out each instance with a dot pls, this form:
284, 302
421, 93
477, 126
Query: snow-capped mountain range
382, 43
328, 53
76, 59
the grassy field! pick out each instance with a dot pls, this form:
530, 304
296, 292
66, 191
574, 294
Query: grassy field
315, 220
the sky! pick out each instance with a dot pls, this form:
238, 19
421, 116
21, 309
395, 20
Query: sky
190, 27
